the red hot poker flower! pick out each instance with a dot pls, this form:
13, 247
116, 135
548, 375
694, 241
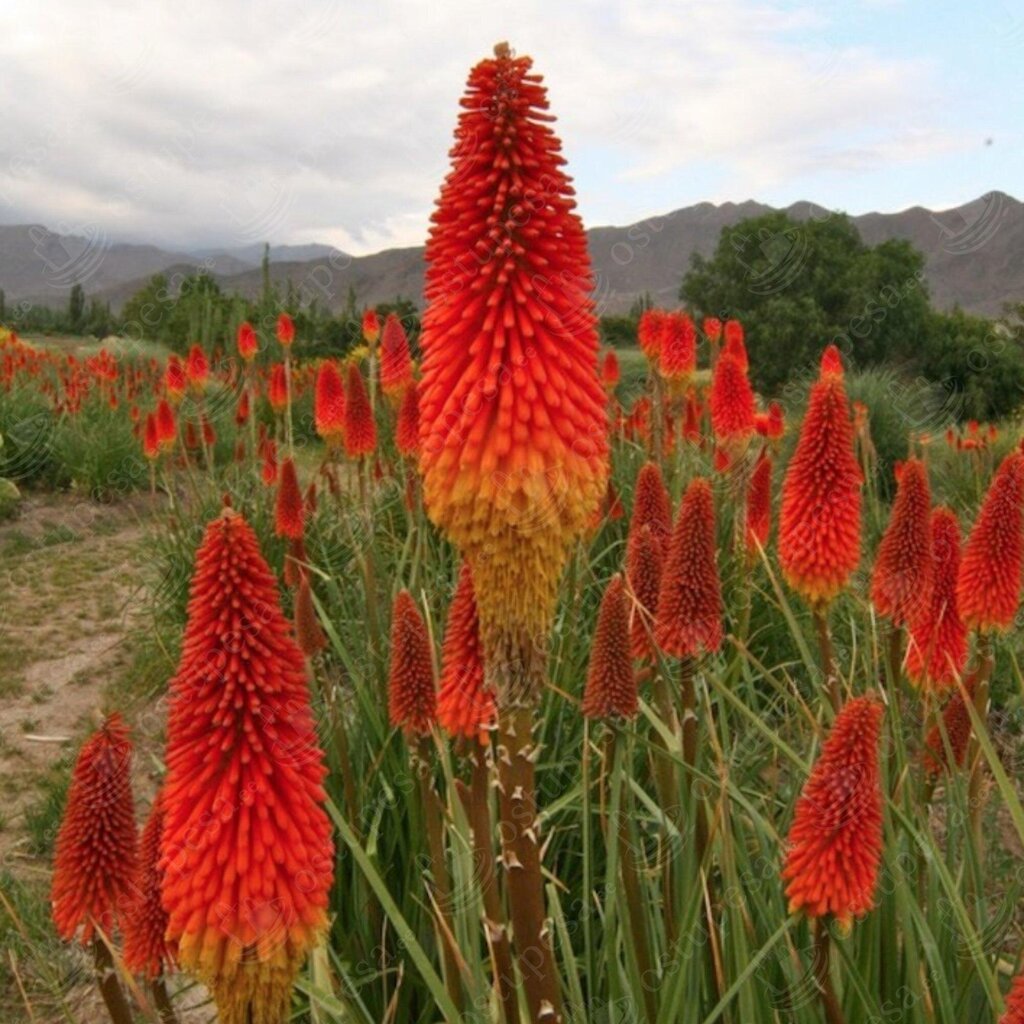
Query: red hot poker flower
732, 402
610, 371
146, 951
712, 329
649, 332
308, 634
651, 503
246, 853
97, 845
166, 426
360, 428
329, 403
412, 700
835, 843
644, 554
407, 429
902, 579
151, 438
819, 526
285, 329
956, 720
937, 645
197, 368
175, 379
289, 515
277, 392
268, 470
677, 351
371, 327
395, 361
1015, 1002
988, 586
689, 616
611, 683
735, 345
465, 707
759, 506
247, 344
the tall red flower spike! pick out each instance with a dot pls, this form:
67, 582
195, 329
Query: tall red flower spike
732, 402
689, 616
610, 370
371, 327
308, 634
956, 720
988, 586
735, 345
901, 582
197, 368
465, 707
97, 845
649, 333
651, 505
277, 391
677, 352
1015, 1002
759, 506
247, 852
407, 429
611, 682
166, 426
819, 526
151, 438
146, 951
513, 425
835, 842
246, 341
395, 361
412, 699
285, 329
644, 555
937, 643
360, 428
712, 327
329, 403
175, 379
289, 515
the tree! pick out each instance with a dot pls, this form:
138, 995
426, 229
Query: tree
799, 284
76, 307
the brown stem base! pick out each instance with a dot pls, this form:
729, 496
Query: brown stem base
109, 986
828, 659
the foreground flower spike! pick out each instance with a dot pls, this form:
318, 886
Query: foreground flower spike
197, 368
759, 507
465, 707
611, 683
902, 578
360, 428
651, 505
412, 699
644, 554
247, 852
732, 403
513, 428
937, 645
677, 350
819, 525
94, 865
407, 429
988, 585
289, 514
395, 361
246, 341
146, 951
835, 842
1015, 1002
285, 329
689, 616
329, 404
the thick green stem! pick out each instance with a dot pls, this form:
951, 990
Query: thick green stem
823, 974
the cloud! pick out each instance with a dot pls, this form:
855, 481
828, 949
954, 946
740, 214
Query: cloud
197, 124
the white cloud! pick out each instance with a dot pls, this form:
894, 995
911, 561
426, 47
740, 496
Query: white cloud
227, 123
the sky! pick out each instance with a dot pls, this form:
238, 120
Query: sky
196, 124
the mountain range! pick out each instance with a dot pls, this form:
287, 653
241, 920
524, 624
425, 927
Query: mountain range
974, 258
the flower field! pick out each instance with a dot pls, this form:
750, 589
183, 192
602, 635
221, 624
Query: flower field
500, 691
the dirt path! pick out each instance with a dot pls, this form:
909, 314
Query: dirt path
70, 576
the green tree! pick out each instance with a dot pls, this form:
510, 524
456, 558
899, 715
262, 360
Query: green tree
76, 308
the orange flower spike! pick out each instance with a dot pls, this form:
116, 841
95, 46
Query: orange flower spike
247, 852
732, 402
175, 379
360, 428
835, 842
151, 438
395, 361
1015, 1002
308, 634
819, 525
465, 707
407, 429
329, 404
988, 585
759, 507
97, 845
246, 341
677, 352
197, 368
651, 505
289, 514
610, 371
611, 683
285, 330
956, 720
689, 615
371, 327
166, 425
277, 392
513, 423
902, 579
776, 424
649, 333
712, 327
735, 346
412, 699
146, 951
644, 555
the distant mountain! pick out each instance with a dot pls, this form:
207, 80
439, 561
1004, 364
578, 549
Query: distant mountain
974, 257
